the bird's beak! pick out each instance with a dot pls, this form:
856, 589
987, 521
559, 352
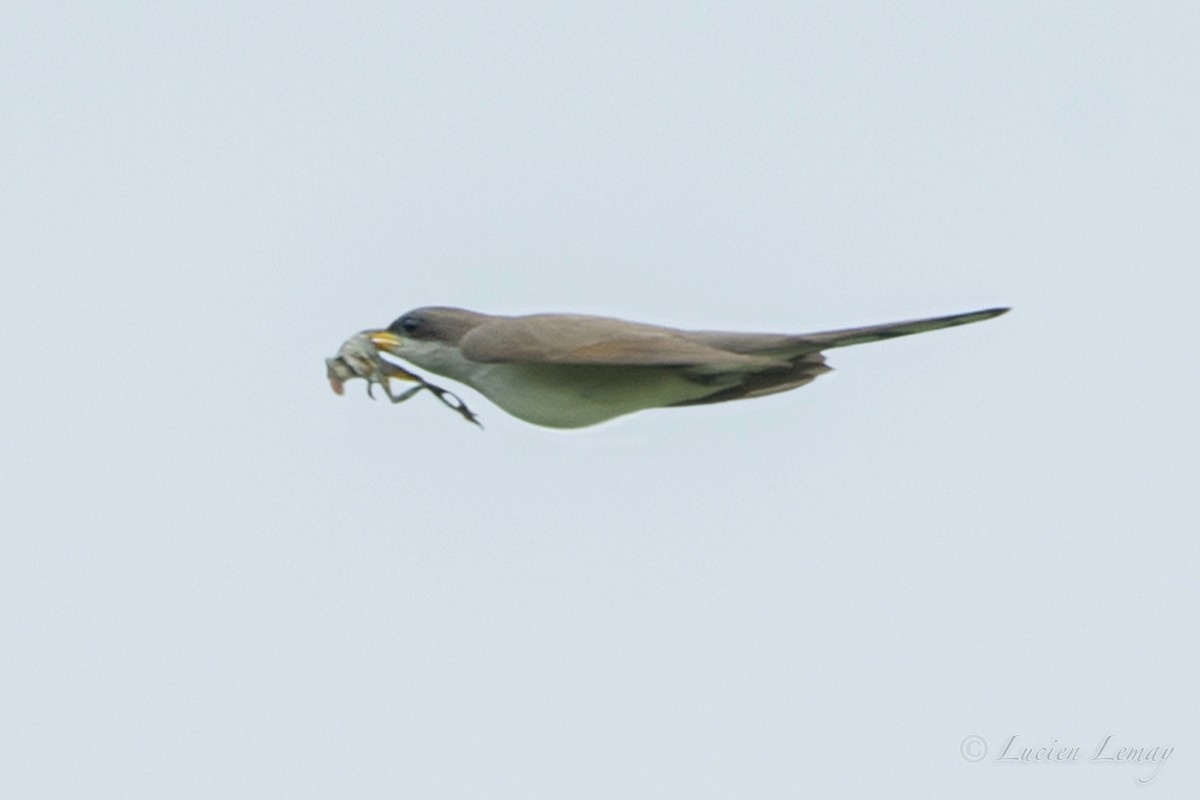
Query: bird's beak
386, 341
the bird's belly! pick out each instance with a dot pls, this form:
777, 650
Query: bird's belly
574, 396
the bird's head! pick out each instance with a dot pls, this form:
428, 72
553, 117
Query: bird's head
427, 336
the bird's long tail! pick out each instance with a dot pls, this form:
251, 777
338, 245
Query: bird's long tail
890, 330
804, 352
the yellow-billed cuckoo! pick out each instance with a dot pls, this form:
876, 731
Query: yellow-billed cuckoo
570, 370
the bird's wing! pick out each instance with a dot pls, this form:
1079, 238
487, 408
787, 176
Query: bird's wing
789, 346
598, 341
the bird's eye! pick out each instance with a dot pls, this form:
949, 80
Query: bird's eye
409, 323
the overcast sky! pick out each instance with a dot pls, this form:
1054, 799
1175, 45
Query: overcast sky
219, 579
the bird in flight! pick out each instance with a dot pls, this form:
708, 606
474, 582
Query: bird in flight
573, 370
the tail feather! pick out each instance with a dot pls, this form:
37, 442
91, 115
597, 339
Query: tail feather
890, 330
803, 353
789, 346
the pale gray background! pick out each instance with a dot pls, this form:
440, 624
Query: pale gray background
220, 580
